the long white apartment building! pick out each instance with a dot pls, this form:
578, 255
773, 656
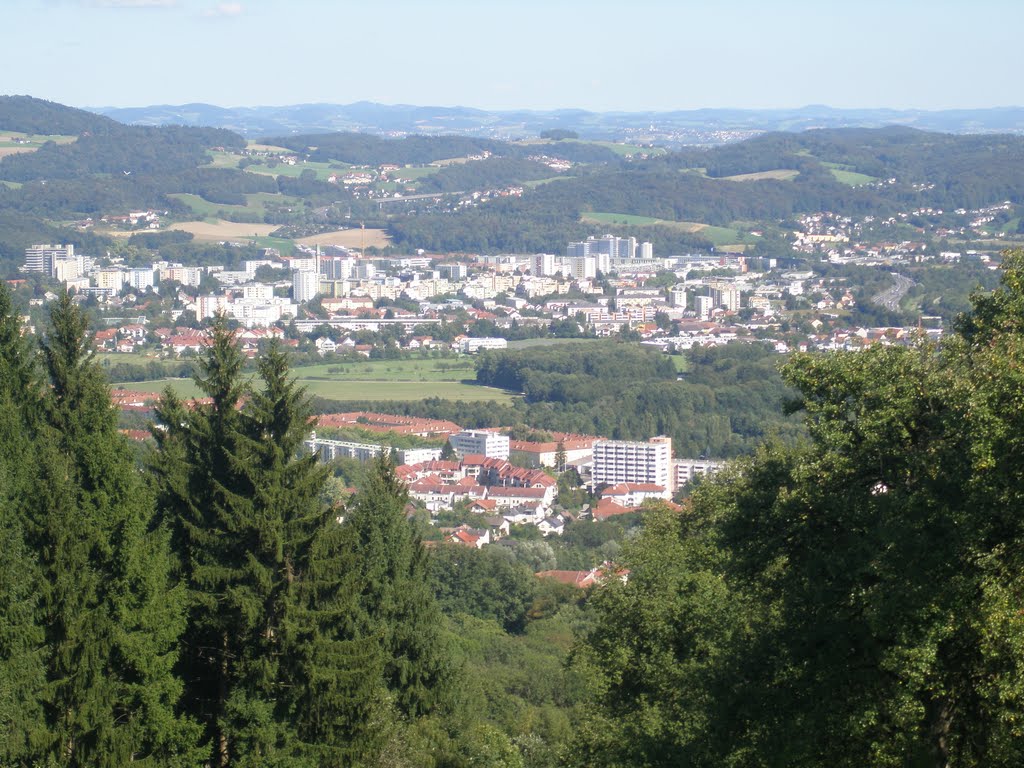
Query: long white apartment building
40, 258
628, 461
479, 441
685, 470
329, 450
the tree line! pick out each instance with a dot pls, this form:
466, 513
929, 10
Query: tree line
206, 608
851, 600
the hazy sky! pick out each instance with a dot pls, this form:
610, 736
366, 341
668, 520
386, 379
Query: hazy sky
540, 54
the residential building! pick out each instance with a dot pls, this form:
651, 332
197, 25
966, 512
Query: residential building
479, 441
627, 461
305, 285
40, 258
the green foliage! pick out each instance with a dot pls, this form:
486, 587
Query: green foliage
855, 592
487, 583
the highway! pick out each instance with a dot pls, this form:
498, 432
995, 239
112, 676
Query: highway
890, 297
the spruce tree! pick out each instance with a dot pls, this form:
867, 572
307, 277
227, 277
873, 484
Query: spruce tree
270, 658
397, 602
112, 621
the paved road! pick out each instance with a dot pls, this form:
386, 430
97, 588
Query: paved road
890, 297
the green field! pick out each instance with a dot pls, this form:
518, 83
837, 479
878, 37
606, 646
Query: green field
256, 203
719, 236
11, 184
530, 343
371, 380
779, 174
323, 170
851, 177
16, 139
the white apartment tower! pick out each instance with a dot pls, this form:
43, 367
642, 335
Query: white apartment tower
40, 258
627, 461
305, 284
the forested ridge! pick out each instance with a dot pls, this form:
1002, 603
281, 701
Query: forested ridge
112, 168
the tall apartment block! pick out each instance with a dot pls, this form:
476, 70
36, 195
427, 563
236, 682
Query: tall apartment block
40, 258
627, 461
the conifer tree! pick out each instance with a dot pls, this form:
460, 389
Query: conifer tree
270, 657
397, 602
112, 621
22, 671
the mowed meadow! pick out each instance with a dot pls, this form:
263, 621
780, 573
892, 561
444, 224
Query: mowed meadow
447, 378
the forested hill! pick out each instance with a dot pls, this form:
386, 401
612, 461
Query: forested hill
26, 114
364, 149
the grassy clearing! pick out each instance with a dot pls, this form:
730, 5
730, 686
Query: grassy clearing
779, 174
372, 380
257, 147
323, 170
628, 219
530, 343
720, 237
533, 184
35, 140
11, 184
681, 362
852, 178
256, 203
413, 173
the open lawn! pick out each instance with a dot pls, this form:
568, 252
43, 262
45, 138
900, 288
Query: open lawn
372, 380
530, 343
350, 238
719, 236
779, 174
11, 184
257, 147
219, 230
256, 203
322, 170
851, 177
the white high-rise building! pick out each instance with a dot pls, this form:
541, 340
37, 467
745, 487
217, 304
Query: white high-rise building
723, 293
646, 251
257, 292
544, 265
478, 441
703, 306
627, 461
305, 284
582, 267
40, 258
141, 278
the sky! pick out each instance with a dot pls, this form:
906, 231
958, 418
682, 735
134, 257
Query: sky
629, 55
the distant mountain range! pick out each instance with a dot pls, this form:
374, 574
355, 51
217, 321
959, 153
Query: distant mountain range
687, 127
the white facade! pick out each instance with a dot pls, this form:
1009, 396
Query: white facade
626, 461
305, 284
257, 292
703, 305
476, 441
544, 265
141, 278
684, 470
40, 258
582, 267
468, 346
112, 279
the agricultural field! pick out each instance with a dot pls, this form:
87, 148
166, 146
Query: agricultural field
779, 174
13, 142
323, 170
844, 174
219, 230
548, 342
256, 204
350, 238
722, 237
372, 380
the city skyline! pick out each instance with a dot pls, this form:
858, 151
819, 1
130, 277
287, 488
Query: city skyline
600, 56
